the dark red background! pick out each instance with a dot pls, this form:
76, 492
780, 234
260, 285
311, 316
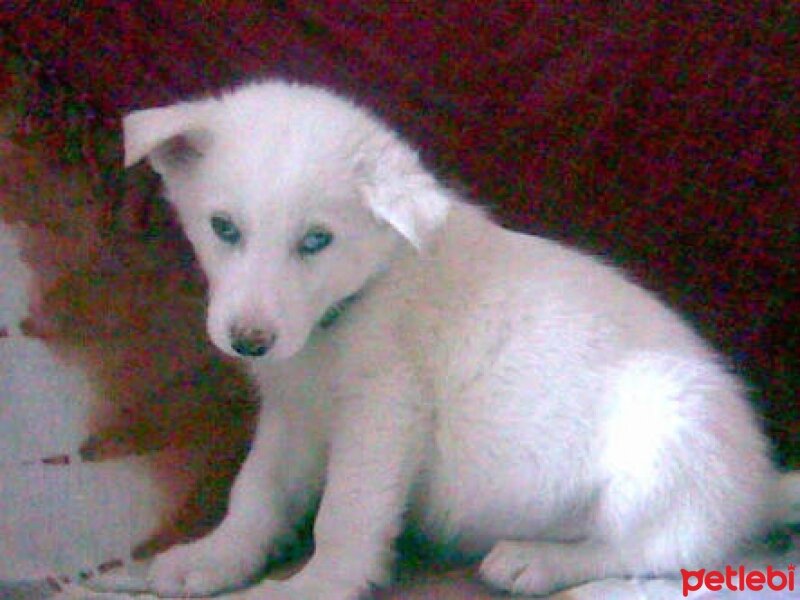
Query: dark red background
663, 135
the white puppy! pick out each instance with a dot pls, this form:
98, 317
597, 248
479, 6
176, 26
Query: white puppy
515, 397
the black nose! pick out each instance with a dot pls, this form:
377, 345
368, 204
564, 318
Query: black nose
251, 342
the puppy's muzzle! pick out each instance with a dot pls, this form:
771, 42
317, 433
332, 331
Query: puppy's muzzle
251, 342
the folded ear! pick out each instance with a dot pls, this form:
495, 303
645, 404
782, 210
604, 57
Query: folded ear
169, 137
402, 193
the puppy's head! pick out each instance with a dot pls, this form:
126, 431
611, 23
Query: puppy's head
293, 199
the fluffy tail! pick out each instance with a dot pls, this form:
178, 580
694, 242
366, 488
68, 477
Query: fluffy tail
786, 507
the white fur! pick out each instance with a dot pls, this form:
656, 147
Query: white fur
516, 397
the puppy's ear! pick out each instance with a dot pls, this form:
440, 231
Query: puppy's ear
170, 137
402, 193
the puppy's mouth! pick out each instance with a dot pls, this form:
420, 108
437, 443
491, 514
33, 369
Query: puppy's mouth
336, 310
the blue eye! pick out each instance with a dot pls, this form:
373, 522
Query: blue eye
225, 229
316, 239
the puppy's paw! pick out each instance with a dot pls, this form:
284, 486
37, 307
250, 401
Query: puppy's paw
513, 567
210, 565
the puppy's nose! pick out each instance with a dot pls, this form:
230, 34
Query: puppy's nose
251, 342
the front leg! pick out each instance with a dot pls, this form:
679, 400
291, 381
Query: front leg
282, 468
375, 453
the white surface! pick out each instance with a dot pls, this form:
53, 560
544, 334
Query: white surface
56, 519
45, 402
